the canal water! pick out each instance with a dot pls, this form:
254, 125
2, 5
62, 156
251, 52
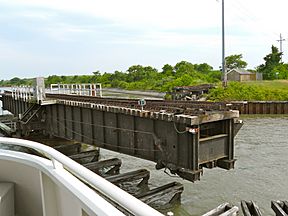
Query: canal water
260, 174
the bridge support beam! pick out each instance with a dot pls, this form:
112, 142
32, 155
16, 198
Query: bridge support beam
184, 144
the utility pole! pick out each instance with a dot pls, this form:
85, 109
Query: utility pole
280, 41
223, 47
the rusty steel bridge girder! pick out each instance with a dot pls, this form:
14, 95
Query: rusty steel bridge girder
184, 144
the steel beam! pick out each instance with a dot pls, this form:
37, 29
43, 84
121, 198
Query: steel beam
184, 144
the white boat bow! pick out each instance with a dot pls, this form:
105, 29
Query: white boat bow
57, 185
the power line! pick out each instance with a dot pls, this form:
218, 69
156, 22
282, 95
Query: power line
281, 41
247, 17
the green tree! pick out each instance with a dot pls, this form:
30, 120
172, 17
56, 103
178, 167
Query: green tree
139, 72
235, 61
97, 73
15, 81
96, 77
203, 68
53, 79
281, 71
167, 70
272, 61
184, 67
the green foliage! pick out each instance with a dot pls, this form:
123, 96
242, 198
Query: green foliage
273, 68
183, 67
250, 91
138, 72
168, 70
139, 77
214, 76
235, 61
16, 81
53, 79
203, 68
280, 71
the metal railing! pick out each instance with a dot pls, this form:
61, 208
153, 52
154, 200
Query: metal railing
23, 92
117, 195
87, 89
38, 93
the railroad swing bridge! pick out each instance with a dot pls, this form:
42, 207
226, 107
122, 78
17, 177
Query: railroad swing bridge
183, 137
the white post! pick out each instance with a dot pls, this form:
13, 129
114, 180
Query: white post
12, 90
100, 89
25, 93
29, 94
94, 89
39, 89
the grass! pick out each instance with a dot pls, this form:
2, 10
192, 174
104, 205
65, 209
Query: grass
269, 84
276, 90
248, 116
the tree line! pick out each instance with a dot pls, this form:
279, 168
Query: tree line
139, 77
182, 74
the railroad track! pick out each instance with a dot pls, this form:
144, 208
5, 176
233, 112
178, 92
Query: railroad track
181, 107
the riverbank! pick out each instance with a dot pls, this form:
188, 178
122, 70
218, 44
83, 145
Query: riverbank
276, 90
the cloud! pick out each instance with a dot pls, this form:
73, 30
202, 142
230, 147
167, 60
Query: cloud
112, 31
160, 13
65, 32
172, 40
170, 14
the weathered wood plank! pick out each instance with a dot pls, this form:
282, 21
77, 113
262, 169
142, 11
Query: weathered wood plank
131, 176
69, 149
86, 156
105, 167
164, 196
250, 208
224, 209
279, 208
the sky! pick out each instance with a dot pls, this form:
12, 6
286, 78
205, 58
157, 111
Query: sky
69, 37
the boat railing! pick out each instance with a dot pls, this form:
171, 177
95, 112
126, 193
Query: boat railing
109, 190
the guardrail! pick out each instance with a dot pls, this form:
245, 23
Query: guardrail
88, 89
23, 92
117, 195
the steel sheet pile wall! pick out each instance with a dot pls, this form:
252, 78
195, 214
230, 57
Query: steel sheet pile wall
262, 107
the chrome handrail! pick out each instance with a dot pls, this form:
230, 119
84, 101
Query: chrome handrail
117, 195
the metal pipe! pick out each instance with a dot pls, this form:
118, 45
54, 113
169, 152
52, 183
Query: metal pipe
223, 46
